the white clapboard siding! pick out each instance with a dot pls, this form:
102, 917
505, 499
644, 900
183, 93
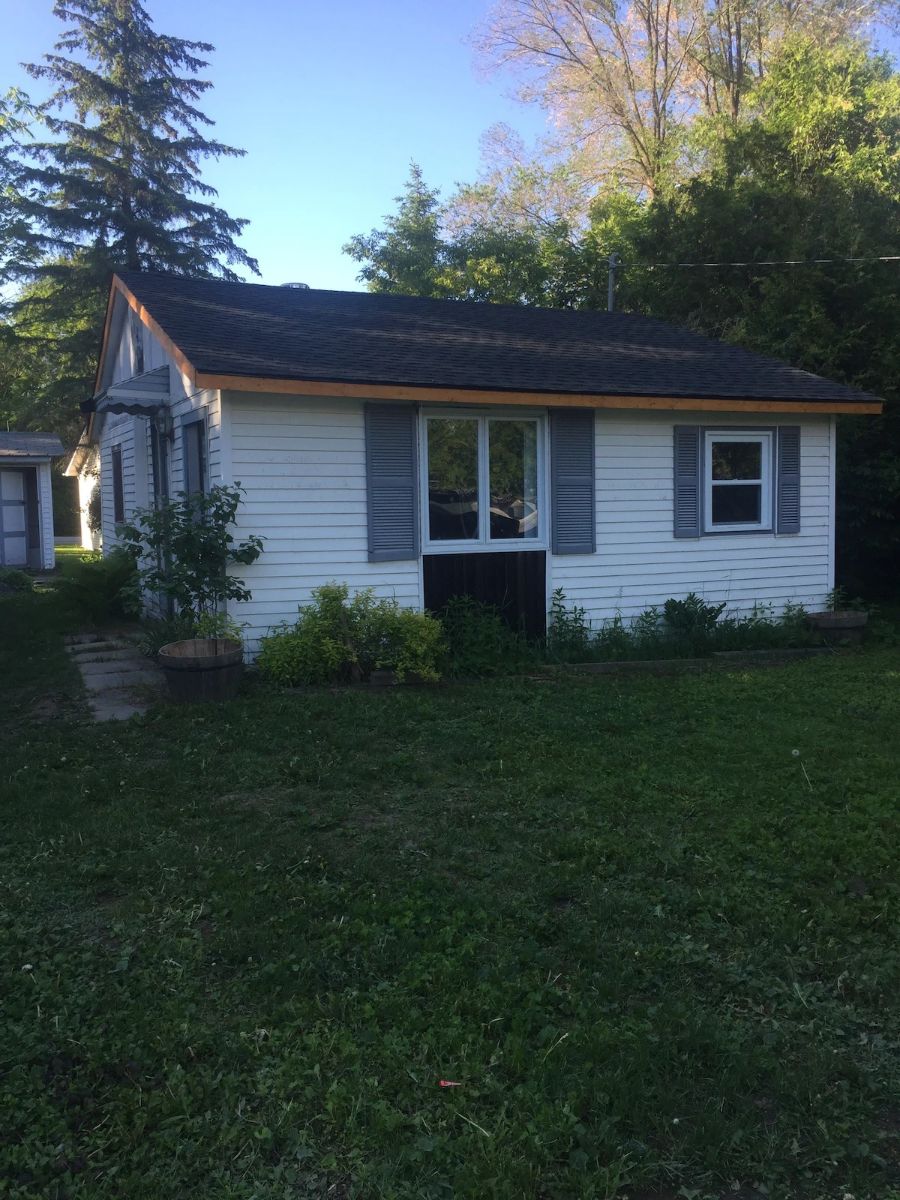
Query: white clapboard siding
133, 433
639, 563
302, 463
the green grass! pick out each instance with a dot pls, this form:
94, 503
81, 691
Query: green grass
655, 947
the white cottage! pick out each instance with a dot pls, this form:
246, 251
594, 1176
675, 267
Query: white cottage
429, 448
26, 499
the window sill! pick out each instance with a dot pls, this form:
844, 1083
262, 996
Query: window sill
510, 545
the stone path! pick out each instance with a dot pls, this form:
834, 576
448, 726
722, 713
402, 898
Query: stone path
118, 679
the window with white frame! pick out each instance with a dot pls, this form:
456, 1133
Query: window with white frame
482, 481
738, 480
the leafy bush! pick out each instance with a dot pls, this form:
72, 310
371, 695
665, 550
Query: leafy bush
336, 639
12, 580
155, 634
685, 628
692, 615
184, 548
479, 642
102, 588
568, 630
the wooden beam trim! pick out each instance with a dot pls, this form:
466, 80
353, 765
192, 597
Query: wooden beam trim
365, 391
181, 360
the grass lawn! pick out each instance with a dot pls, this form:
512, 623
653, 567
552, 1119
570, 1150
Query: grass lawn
654, 945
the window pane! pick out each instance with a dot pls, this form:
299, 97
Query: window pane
452, 479
736, 460
736, 504
512, 451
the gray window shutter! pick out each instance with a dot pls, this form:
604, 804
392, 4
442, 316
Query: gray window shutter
391, 482
687, 481
788, 480
573, 513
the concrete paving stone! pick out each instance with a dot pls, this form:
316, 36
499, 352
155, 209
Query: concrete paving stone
108, 666
84, 651
121, 679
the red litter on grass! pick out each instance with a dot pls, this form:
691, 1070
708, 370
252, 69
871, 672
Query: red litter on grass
448, 1083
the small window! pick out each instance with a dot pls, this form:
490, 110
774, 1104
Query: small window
118, 485
482, 480
738, 473
194, 451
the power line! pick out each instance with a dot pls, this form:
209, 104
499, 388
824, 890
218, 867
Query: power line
770, 262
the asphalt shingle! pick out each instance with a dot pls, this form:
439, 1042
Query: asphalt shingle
250, 329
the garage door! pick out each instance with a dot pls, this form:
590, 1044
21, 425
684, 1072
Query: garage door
13, 522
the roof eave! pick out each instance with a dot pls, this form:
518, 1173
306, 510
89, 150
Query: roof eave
452, 395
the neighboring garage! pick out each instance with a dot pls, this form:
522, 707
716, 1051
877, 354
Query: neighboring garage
26, 503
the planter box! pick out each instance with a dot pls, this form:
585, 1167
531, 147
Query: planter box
202, 669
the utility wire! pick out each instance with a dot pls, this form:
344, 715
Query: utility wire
790, 262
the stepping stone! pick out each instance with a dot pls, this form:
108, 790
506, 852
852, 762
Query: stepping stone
117, 704
115, 675
80, 653
112, 680
108, 666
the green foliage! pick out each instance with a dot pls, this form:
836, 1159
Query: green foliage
840, 600
101, 588
110, 180
184, 548
337, 639
568, 630
158, 632
13, 580
692, 615
240, 948
807, 169
686, 628
219, 625
479, 642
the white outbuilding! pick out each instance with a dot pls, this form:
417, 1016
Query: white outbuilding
26, 500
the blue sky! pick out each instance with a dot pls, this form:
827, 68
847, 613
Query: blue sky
330, 101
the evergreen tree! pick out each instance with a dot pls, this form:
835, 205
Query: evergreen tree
407, 257
116, 184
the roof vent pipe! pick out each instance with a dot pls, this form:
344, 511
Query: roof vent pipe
304, 287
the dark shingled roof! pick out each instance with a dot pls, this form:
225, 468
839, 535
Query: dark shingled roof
30, 445
359, 337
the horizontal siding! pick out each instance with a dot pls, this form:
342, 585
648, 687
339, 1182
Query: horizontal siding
302, 463
640, 563
133, 433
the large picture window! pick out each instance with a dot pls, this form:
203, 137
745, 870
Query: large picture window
483, 480
738, 481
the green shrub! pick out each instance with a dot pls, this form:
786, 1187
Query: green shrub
184, 548
685, 628
158, 632
692, 615
336, 639
12, 580
568, 631
102, 589
479, 642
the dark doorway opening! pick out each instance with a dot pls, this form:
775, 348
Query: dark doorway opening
515, 583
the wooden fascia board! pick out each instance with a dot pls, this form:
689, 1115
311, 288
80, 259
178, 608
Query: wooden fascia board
181, 360
365, 391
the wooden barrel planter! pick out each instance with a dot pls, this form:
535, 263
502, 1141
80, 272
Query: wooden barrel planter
846, 626
202, 669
